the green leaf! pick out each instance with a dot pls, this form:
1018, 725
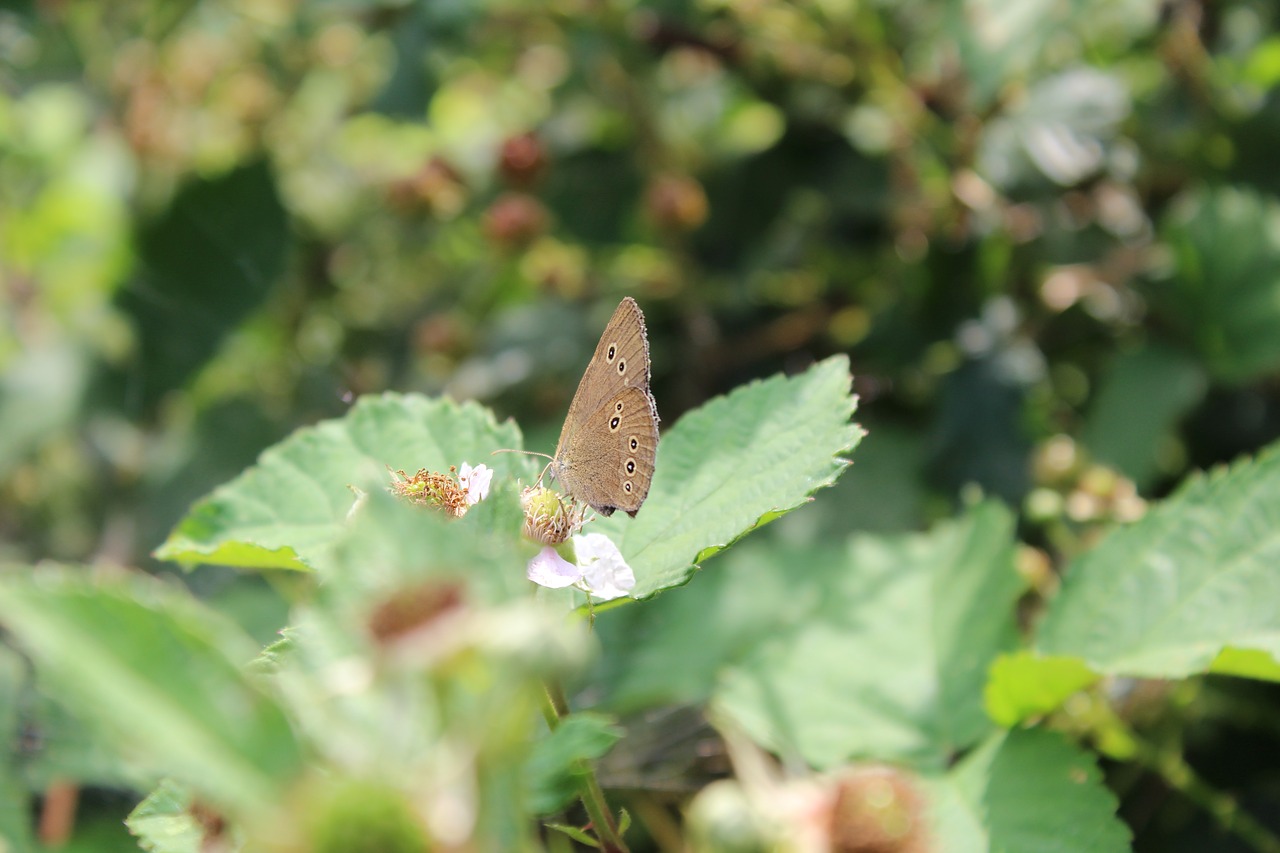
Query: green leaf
57, 745
1062, 129
272, 656
1023, 685
163, 822
158, 674
287, 511
576, 834
732, 465
1027, 790
1263, 65
1142, 397
886, 492
1165, 595
555, 768
877, 650
391, 546
888, 651
1246, 663
1223, 293
207, 263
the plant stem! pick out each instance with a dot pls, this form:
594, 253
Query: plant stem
1167, 761
662, 827
590, 792
1222, 807
554, 708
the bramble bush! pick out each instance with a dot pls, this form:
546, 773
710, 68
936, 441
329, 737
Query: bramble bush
399, 711
1036, 613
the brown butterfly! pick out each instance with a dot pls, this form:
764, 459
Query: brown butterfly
607, 448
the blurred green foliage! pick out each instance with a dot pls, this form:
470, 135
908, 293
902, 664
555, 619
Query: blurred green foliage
1046, 233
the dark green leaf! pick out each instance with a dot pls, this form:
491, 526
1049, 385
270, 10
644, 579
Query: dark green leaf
208, 262
1223, 292
1143, 395
1027, 790
555, 769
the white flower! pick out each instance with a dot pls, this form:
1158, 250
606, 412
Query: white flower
549, 569
601, 572
605, 574
475, 481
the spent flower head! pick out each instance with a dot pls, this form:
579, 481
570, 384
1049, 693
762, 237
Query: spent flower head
547, 519
453, 493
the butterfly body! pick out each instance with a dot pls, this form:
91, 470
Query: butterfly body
609, 443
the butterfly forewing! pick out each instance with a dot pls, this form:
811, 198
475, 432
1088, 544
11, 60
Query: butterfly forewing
623, 344
608, 445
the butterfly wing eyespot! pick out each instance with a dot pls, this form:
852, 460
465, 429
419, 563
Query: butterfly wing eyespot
612, 353
622, 367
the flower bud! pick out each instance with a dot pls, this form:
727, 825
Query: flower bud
722, 820
877, 810
514, 220
1057, 462
436, 188
523, 160
676, 203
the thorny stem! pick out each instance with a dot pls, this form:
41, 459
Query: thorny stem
555, 709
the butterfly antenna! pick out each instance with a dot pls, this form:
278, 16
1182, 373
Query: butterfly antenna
525, 452
546, 456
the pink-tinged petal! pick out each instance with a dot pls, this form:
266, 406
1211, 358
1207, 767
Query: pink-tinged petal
549, 569
476, 481
605, 575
